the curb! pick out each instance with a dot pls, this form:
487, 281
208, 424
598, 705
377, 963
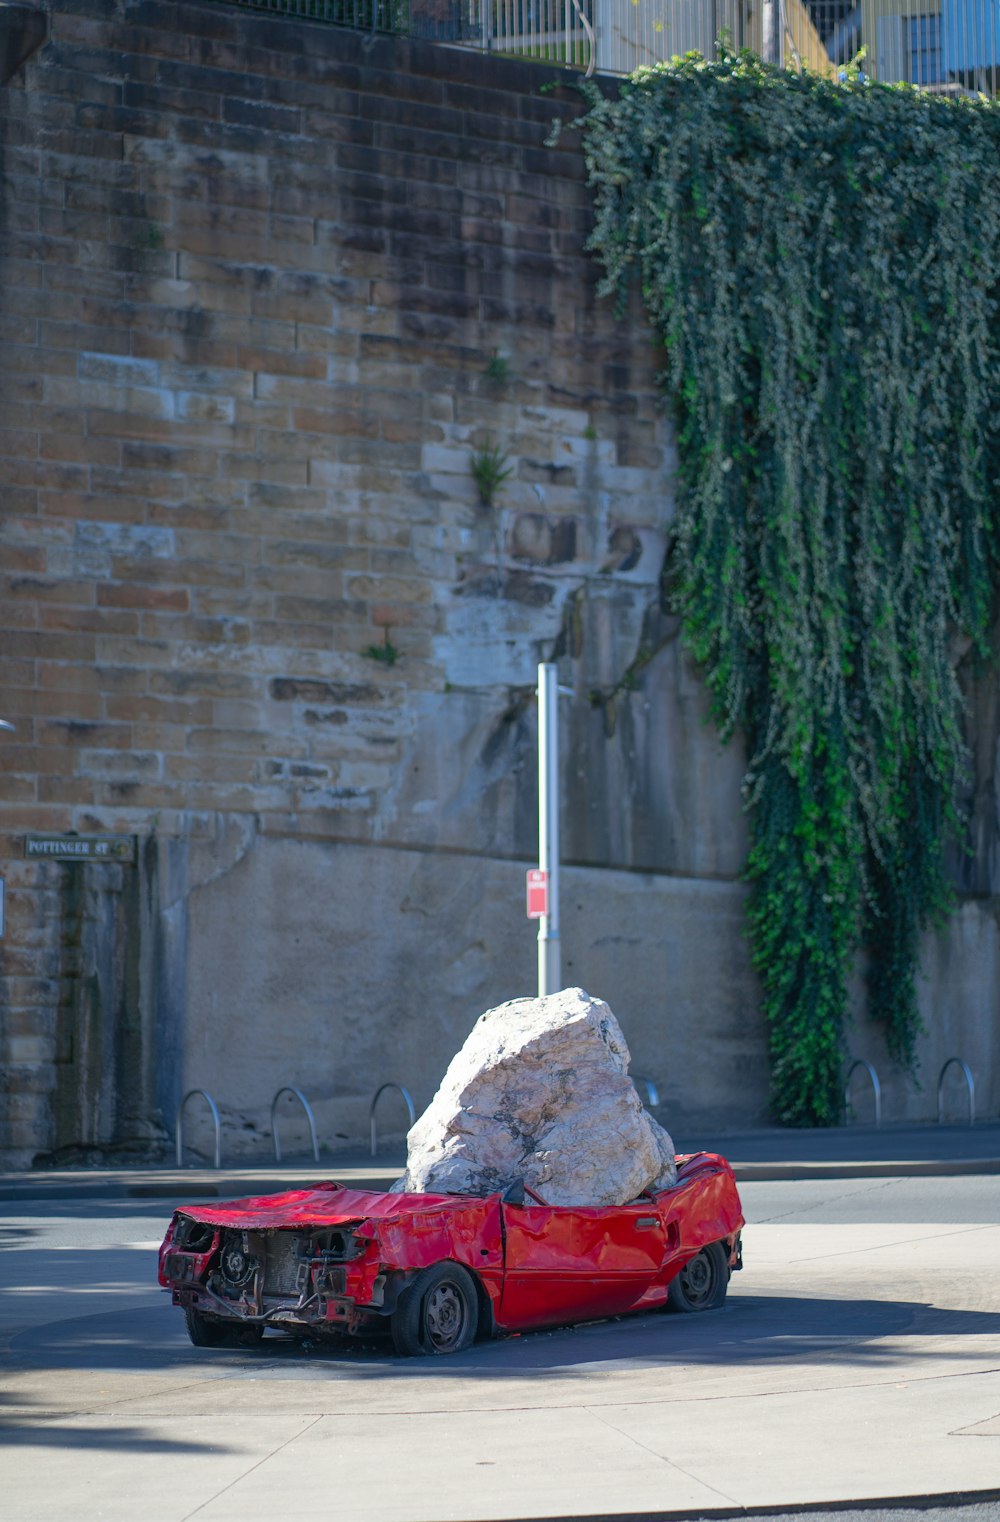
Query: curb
909, 1168
864, 1509
203, 1184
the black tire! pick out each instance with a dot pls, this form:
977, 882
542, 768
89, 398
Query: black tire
702, 1283
438, 1313
207, 1332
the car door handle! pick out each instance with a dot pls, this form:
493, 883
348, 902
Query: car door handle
645, 1222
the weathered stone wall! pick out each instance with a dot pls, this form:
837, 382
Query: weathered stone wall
266, 287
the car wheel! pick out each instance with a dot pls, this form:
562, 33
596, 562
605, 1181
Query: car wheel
206, 1332
702, 1283
437, 1313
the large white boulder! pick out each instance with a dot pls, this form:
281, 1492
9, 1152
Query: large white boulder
540, 1092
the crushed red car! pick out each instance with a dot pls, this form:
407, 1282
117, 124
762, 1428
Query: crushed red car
437, 1270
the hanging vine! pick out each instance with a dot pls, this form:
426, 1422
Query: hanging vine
821, 261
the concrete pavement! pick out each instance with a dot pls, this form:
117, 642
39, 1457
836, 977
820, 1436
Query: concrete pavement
857, 1360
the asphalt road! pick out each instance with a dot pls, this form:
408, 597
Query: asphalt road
856, 1360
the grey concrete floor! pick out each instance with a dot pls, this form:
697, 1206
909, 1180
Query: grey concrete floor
857, 1360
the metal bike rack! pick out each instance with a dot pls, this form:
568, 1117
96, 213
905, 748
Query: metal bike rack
371, 1109
303, 1101
970, 1083
876, 1087
652, 1092
215, 1119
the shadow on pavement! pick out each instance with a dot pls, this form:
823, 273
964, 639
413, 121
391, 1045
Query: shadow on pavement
18, 1236
35, 1428
751, 1330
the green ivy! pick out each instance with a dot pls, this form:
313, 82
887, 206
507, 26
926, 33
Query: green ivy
821, 260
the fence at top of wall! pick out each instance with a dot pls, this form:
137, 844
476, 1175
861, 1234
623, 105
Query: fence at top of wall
950, 47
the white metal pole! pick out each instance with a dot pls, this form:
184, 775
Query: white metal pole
773, 49
549, 975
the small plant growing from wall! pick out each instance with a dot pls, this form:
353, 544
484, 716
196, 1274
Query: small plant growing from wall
489, 470
498, 369
385, 653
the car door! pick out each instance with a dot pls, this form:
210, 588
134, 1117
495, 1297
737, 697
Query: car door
566, 1263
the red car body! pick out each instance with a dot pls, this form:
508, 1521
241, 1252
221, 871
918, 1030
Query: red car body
331, 1259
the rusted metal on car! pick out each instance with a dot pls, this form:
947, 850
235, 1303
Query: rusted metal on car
331, 1259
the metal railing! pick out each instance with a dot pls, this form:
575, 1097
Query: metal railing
287, 1088
876, 1087
969, 1082
178, 1125
947, 46
359, 15
372, 1134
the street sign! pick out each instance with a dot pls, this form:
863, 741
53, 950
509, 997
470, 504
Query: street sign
538, 893
80, 847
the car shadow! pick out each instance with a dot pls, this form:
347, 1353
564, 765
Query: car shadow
750, 1330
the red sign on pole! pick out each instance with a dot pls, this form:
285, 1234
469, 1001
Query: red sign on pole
538, 893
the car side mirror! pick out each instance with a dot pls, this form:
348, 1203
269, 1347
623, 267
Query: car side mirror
514, 1193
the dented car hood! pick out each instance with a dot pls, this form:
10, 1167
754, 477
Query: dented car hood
327, 1204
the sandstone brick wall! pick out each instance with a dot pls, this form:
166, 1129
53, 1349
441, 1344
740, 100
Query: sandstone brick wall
255, 276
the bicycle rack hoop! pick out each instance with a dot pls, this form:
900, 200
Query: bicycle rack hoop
876, 1087
288, 1088
372, 1134
970, 1084
652, 1092
216, 1121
